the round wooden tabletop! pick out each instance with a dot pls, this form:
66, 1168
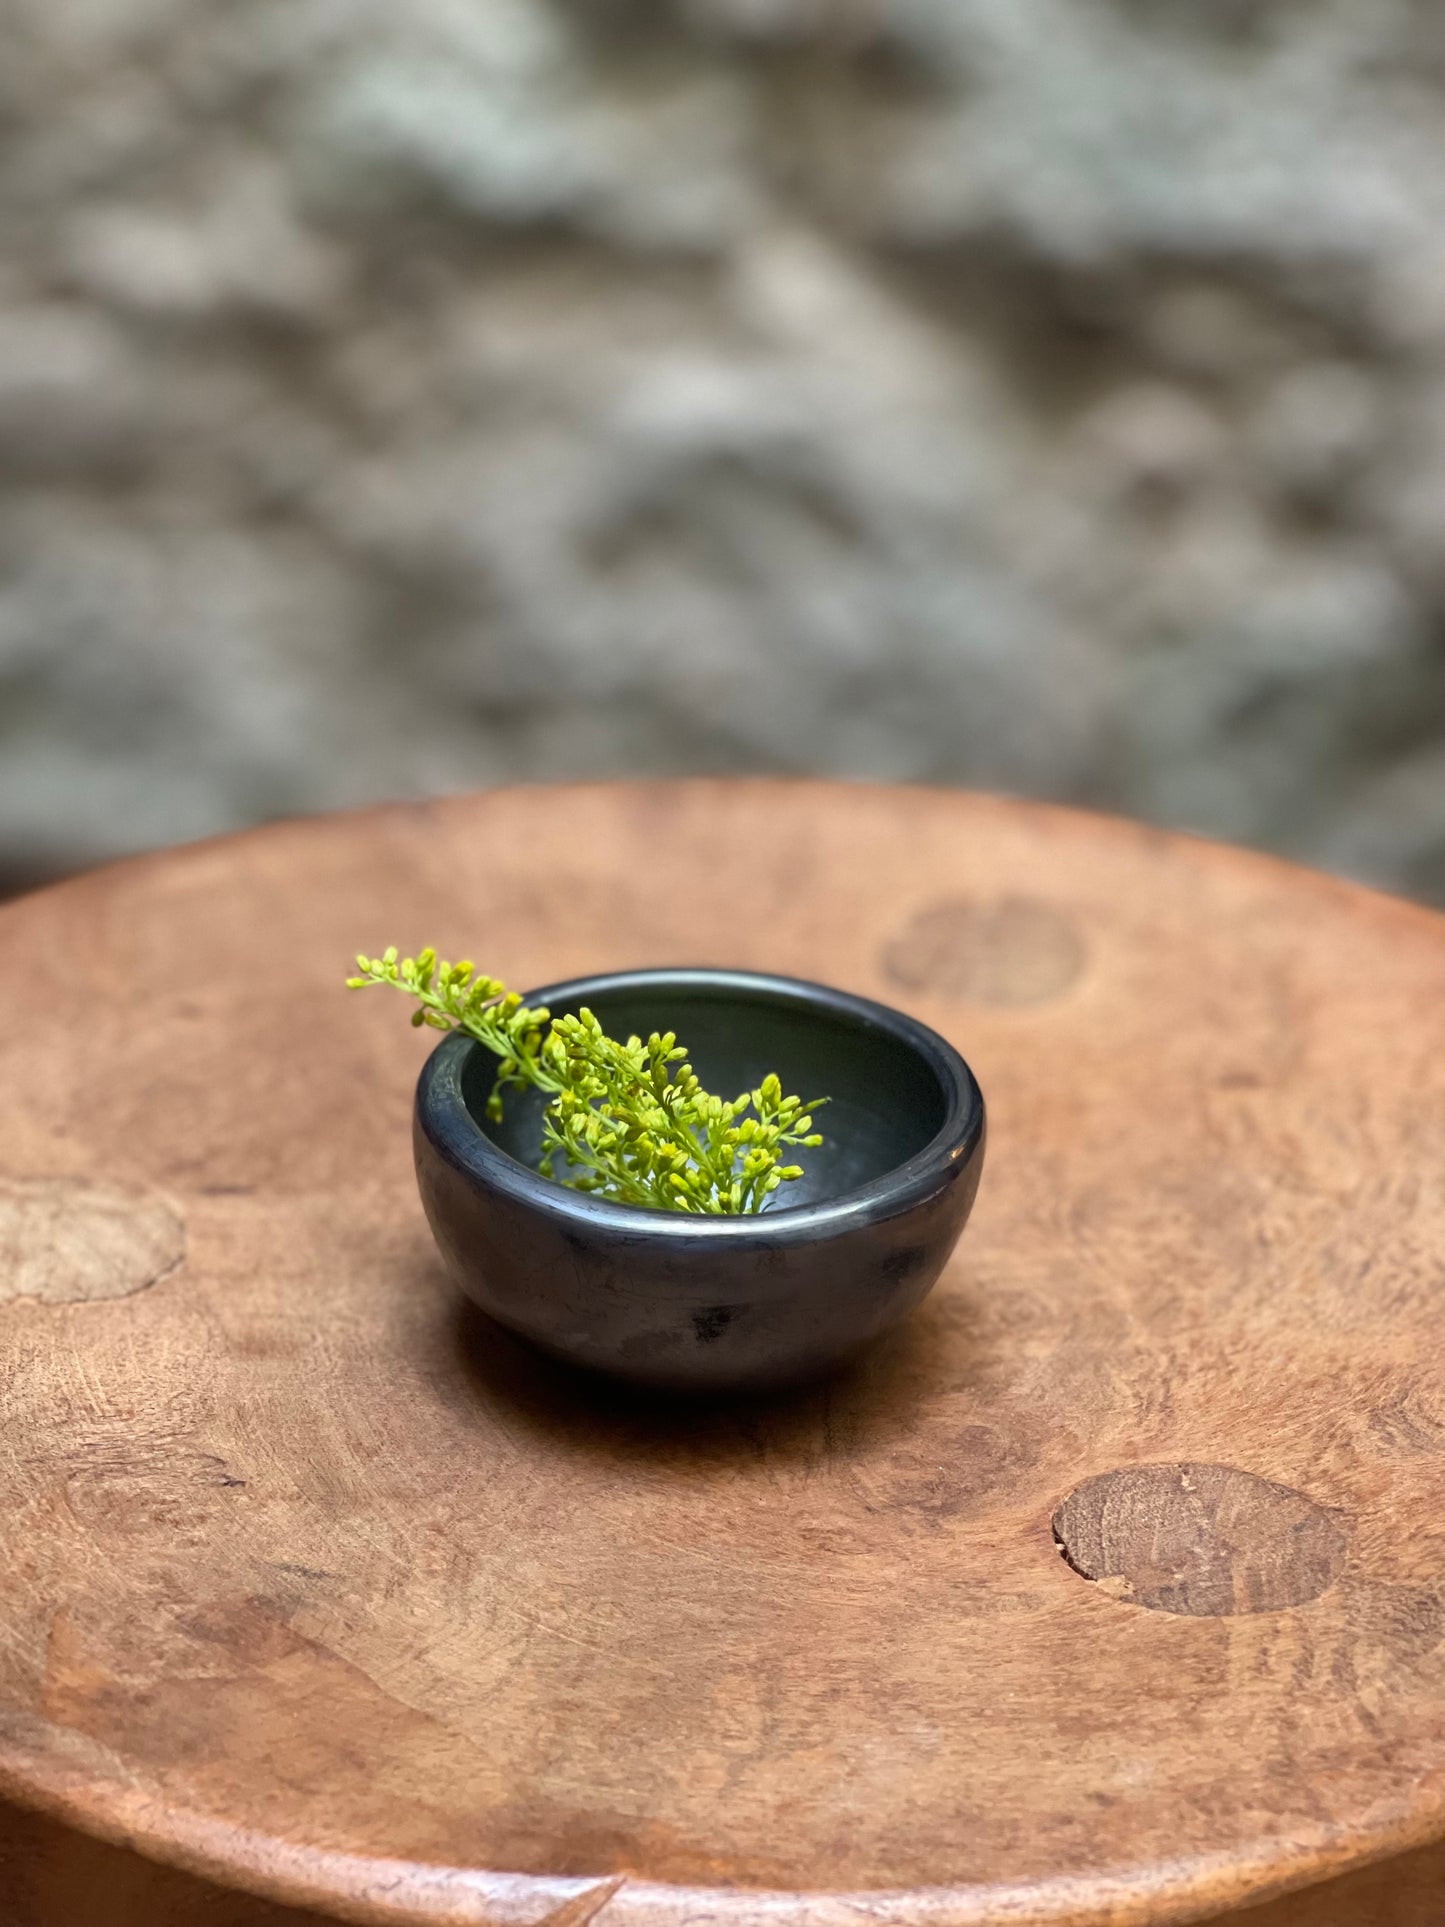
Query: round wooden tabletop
1111, 1590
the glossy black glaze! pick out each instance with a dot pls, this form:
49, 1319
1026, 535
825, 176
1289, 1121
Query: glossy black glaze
699, 1303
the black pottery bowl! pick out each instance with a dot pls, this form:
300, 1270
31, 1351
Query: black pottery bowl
692, 1303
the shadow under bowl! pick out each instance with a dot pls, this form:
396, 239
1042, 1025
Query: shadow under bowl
690, 1303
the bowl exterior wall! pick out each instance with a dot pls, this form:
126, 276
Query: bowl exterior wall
665, 1312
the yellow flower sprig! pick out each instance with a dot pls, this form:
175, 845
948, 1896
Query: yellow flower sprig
630, 1121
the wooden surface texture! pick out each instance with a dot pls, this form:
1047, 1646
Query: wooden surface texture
1110, 1592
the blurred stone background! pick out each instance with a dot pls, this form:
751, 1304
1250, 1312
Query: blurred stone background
1039, 394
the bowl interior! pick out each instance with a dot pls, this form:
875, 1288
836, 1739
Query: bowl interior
886, 1102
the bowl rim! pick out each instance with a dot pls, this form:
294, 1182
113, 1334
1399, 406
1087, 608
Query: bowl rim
445, 1118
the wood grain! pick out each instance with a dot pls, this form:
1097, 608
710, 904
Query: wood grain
320, 1593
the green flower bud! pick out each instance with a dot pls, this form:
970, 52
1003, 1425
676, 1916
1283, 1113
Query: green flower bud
632, 1116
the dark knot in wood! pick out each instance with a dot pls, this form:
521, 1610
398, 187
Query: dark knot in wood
74, 1240
1206, 1540
1011, 950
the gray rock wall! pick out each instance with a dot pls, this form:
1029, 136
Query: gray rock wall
1046, 394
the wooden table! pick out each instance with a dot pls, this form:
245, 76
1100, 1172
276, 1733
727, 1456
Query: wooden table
1111, 1591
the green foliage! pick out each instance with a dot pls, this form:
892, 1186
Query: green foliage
629, 1120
